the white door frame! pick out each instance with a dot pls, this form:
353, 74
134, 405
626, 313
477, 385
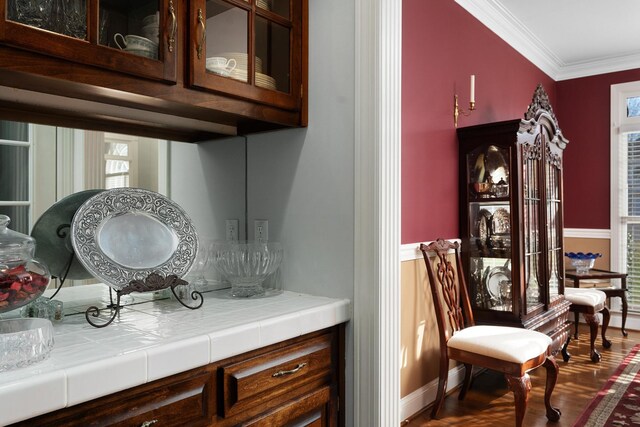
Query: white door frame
376, 316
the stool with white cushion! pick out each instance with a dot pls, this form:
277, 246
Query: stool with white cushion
589, 302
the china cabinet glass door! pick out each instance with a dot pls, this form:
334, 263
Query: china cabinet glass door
135, 37
248, 48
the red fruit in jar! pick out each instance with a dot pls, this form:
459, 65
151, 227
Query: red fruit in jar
16, 286
4, 296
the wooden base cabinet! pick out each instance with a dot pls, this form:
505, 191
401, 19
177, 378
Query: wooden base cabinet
294, 383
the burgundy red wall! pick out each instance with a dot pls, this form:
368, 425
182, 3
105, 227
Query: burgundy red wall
442, 46
583, 111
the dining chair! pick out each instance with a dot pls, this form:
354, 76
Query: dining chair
512, 351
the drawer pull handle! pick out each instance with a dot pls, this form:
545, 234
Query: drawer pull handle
148, 423
173, 26
200, 43
289, 372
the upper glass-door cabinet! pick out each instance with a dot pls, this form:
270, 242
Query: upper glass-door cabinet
252, 49
134, 37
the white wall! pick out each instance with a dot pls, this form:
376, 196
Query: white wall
208, 181
300, 180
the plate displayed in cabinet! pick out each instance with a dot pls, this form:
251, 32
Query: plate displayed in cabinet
500, 221
126, 234
493, 278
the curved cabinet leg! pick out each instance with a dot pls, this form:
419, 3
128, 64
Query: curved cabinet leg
605, 324
520, 386
466, 383
553, 414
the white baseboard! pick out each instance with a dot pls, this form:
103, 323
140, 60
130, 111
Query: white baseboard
415, 401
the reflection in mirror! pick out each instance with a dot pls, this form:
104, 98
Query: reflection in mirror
40, 165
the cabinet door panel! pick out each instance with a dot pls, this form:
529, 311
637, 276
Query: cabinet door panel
82, 32
248, 50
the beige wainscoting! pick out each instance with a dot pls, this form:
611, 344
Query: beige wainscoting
588, 244
420, 349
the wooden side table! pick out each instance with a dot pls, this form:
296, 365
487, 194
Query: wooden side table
612, 291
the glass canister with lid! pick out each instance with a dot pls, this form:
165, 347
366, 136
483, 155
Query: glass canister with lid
22, 278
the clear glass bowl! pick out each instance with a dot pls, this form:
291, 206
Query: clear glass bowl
582, 266
24, 342
246, 264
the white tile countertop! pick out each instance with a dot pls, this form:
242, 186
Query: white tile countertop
152, 339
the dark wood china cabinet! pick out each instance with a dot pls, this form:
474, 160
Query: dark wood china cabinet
511, 221
226, 66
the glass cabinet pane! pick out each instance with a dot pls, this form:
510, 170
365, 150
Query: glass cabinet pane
488, 172
68, 17
133, 27
532, 256
280, 7
227, 41
272, 45
554, 228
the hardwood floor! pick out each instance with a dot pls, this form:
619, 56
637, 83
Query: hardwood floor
490, 403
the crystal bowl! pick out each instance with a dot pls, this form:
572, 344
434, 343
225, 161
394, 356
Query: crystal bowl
24, 342
582, 262
246, 264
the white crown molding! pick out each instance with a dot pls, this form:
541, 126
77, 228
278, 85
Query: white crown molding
587, 233
499, 20
602, 66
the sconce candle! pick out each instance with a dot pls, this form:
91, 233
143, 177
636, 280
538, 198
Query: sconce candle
472, 95
472, 101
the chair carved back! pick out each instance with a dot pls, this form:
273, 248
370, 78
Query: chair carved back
448, 288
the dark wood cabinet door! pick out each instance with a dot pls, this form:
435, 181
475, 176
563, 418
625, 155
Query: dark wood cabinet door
511, 220
249, 49
138, 38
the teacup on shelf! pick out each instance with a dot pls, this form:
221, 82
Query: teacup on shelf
221, 65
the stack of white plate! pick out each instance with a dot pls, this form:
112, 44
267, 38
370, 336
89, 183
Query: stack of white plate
240, 72
150, 27
263, 4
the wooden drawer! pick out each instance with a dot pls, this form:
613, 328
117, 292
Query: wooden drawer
185, 399
258, 381
311, 410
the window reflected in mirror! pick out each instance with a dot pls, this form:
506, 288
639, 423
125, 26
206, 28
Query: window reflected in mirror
40, 165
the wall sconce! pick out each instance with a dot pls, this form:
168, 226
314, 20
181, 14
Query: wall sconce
472, 102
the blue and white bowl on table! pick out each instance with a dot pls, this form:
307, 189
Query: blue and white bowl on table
581, 261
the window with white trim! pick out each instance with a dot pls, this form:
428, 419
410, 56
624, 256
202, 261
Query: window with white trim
625, 186
15, 174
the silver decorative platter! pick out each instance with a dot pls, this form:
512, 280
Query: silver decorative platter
126, 234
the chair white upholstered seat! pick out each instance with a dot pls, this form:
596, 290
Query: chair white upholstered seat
586, 296
505, 343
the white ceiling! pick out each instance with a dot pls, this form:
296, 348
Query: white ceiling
566, 38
